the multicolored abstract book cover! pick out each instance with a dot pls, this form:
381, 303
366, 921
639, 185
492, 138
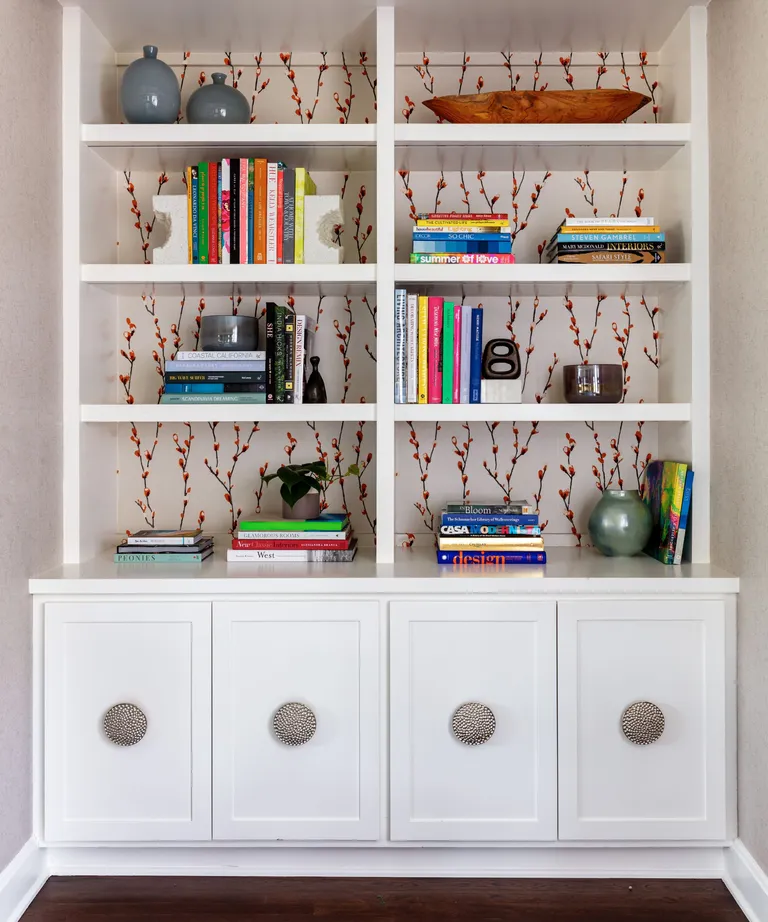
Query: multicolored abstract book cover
665, 487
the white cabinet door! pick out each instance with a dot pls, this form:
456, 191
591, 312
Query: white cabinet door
499, 655
665, 661
322, 656
145, 774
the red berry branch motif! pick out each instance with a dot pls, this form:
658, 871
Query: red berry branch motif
504, 481
361, 237
465, 191
539, 493
145, 462
236, 75
586, 345
259, 491
241, 447
258, 88
537, 65
513, 81
290, 447
639, 205
358, 470
371, 83
601, 68
145, 229
537, 317
480, 84
201, 78
345, 107
603, 479
652, 312
464, 62
198, 322
182, 78
322, 455
652, 87
426, 77
621, 193
587, 190
566, 65
624, 74
184, 448
541, 248
410, 105
344, 334
235, 302
622, 338
489, 201
158, 354
639, 465
440, 185
372, 310
461, 450
566, 495
286, 57
548, 383
519, 226
424, 459
405, 176
319, 311
130, 356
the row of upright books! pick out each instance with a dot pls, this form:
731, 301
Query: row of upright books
325, 539
246, 210
491, 534
159, 546
276, 375
438, 350
608, 240
456, 238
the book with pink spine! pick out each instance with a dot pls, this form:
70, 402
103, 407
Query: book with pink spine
434, 351
457, 353
243, 195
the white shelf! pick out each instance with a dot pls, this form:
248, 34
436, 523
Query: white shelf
174, 147
538, 147
544, 279
128, 278
544, 412
226, 412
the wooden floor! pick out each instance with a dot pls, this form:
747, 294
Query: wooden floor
240, 899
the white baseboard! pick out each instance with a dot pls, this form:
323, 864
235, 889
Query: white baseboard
701, 862
747, 882
21, 880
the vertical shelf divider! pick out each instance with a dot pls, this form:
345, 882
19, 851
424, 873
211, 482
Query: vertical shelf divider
385, 285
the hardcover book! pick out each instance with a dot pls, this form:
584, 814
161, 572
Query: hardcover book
213, 398
202, 212
665, 489
289, 339
423, 348
328, 521
521, 507
295, 555
165, 536
226, 213
447, 343
476, 355
260, 211
434, 356
491, 558
234, 210
289, 216
502, 531
162, 558
463, 259
472, 519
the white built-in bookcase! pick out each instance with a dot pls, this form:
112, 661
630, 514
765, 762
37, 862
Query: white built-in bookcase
101, 38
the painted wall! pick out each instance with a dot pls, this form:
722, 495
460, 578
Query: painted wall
738, 31
30, 328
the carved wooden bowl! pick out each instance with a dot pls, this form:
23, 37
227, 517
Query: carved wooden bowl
540, 107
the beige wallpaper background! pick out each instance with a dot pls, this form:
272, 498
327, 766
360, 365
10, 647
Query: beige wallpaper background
30, 326
738, 31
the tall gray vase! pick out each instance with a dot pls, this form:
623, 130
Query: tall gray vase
150, 91
620, 524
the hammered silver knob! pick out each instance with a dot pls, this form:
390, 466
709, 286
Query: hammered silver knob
473, 723
294, 723
125, 724
642, 723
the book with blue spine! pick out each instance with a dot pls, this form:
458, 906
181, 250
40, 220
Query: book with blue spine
462, 518
611, 238
476, 355
214, 387
461, 246
685, 512
491, 558
486, 531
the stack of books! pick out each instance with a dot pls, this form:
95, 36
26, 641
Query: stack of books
326, 539
157, 546
669, 489
456, 238
498, 535
276, 375
608, 240
438, 350
246, 211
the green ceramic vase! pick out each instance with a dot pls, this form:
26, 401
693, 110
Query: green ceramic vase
620, 524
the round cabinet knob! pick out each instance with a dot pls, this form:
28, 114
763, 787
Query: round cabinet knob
294, 723
125, 724
473, 723
642, 723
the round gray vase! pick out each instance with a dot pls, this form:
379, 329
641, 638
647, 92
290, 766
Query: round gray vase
218, 104
150, 92
620, 524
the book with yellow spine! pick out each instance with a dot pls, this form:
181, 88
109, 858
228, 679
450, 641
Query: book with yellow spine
492, 543
423, 338
472, 222
304, 186
610, 229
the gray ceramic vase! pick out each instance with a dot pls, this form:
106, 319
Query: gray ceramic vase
150, 92
218, 104
308, 507
620, 524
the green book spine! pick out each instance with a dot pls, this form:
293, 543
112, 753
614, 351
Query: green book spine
297, 525
160, 558
448, 352
214, 398
202, 212
279, 354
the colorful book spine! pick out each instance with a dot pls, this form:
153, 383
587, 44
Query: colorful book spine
625, 257
327, 521
195, 216
289, 338
491, 508
243, 194
423, 348
454, 229
215, 377
270, 342
491, 225
226, 212
460, 236
251, 206
434, 357
466, 351
685, 512
289, 216
279, 215
213, 398
161, 558
421, 247
213, 213
283, 544
400, 345
617, 247
280, 353
234, 211
188, 184
202, 211
581, 239
456, 395
213, 387
245, 537
260, 211
462, 259
272, 213
492, 543
609, 222
447, 347
299, 358
491, 558
412, 359
304, 187
463, 518
489, 530
219, 213
461, 217
476, 355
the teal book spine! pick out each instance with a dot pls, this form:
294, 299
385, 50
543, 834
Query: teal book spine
213, 398
161, 558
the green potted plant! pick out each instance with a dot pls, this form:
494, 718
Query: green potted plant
301, 485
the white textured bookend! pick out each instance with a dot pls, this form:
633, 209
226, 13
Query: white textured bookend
322, 216
501, 391
171, 213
